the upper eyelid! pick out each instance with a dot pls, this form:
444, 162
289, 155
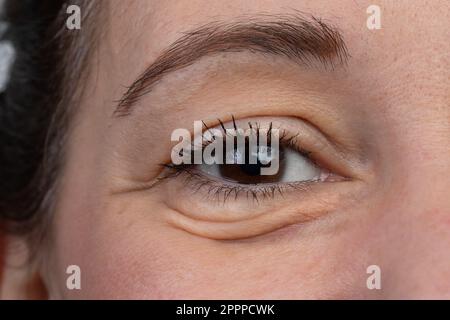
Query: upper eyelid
285, 138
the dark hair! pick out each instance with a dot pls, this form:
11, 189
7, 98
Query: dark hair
34, 108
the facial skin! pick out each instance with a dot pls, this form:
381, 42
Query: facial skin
382, 121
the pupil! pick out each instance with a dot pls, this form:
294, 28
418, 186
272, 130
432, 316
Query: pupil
247, 173
251, 169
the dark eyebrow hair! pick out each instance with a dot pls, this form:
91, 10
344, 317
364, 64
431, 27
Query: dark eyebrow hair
293, 36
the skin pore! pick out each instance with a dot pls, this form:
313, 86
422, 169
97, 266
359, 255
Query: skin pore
378, 120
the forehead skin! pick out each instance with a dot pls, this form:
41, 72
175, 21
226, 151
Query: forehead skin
401, 71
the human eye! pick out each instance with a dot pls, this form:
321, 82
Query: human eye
295, 166
236, 175
217, 199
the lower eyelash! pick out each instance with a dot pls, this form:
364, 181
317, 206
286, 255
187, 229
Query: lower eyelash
221, 192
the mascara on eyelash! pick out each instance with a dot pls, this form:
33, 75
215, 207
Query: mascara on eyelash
235, 145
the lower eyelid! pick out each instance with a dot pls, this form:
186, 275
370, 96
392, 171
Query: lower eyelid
226, 230
197, 204
258, 223
219, 191
236, 220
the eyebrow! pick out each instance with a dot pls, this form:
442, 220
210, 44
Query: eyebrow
296, 37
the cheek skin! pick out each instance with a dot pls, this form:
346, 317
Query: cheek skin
125, 251
410, 237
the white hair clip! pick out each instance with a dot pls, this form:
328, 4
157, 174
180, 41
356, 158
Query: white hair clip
7, 53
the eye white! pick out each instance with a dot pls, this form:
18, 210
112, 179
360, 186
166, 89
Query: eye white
296, 168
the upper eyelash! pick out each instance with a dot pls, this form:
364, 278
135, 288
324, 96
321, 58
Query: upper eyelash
284, 138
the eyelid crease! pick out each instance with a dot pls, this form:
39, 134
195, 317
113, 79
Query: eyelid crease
231, 230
